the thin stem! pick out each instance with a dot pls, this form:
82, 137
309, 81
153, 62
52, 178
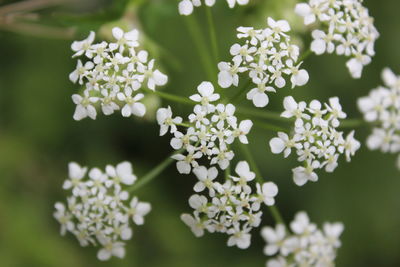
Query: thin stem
246, 151
212, 31
273, 209
265, 114
195, 32
269, 127
241, 91
352, 123
152, 174
228, 172
305, 55
174, 98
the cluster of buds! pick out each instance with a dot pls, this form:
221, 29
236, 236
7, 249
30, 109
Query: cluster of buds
114, 75
305, 246
382, 108
315, 138
186, 6
209, 132
348, 30
267, 55
230, 207
98, 211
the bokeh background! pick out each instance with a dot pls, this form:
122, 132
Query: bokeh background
38, 137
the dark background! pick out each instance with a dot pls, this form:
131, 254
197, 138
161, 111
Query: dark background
38, 137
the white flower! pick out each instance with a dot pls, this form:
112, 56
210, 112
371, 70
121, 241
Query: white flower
381, 107
301, 175
206, 94
279, 27
344, 25
258, 96
315, 139
267, 57
185, 7
132, 105
110, 73
138, 210
274, 238
195, 224
122, 173
268, 191
97, 212
165, 120
211, 128
283, 143
129, 39
239, 237
110, 248
206, 178
83, 47
306, 246
229, 73
154, 78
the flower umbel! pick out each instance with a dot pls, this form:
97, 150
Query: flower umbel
268, 57
382, 108
315, 138
99, 211
230, 207
346, 28
114, 76
305, 246
211, 129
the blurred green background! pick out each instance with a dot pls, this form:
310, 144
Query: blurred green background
38, 137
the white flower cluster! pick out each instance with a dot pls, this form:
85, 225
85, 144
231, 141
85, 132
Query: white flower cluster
349, 30
230, 207
98, 212
186, 6
211, 129
307, 246
267, 55
113, 75
315, 138
382, 108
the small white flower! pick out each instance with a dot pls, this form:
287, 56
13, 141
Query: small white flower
83, 47
165, 120
206, 94
138, 210
268, 191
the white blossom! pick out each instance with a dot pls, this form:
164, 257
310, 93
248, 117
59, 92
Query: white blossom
267, 57
382, 109
315, 138
114, 75
211, 128
230, 207
345, 27
186, 7
305, 246
98, 212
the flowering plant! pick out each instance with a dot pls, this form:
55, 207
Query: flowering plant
226, 124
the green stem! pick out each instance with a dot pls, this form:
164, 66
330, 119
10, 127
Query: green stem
253, 165
212, 31
152, 174
174, 98
352, 123
305, 55
264, 114
196, 34
241, 91
269, 127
